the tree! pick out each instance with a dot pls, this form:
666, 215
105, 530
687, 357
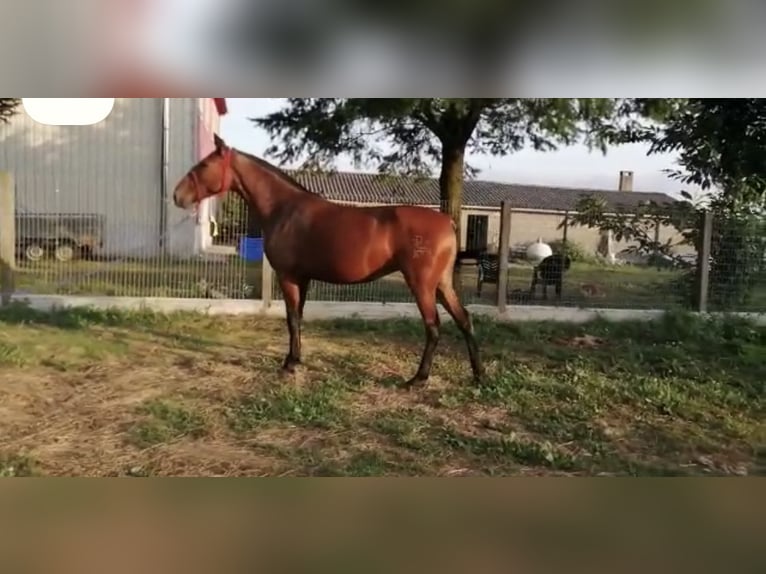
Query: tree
411, 136
8, 108
721, 146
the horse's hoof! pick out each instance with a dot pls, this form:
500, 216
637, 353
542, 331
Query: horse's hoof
415, 382
289, 368
479, 378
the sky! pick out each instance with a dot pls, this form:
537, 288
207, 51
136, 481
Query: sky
573, 166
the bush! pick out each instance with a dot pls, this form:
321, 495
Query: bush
232, 219
575, 251
737, 255
737, 252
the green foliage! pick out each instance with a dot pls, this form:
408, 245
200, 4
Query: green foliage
576, 252
16, 466
411, 136
737, 257
721, 144
317, 406
639, 228
639, 225
738, 244
164, 422
419, 129
8, 108
231, 218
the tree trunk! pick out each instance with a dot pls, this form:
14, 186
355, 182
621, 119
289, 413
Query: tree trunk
451, 194
451, 184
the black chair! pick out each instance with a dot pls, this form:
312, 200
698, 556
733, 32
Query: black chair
550, 271
489, 271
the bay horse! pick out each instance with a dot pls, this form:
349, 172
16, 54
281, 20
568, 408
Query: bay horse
307, 237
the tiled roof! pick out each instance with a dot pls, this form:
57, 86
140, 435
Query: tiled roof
371, 188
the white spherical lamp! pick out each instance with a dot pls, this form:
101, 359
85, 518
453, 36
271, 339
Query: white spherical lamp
538, 251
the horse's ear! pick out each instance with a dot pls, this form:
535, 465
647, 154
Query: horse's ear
220, 145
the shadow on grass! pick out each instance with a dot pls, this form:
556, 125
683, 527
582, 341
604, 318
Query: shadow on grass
76, 317
169, 327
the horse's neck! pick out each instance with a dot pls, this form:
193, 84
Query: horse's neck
262, 189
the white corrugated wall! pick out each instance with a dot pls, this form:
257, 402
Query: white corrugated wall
182, 231
112, 168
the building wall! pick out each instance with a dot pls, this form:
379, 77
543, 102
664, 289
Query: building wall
183, 230
112, 168
193, 122
207, 125
529, 226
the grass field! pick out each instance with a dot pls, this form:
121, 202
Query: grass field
101, 393
226, 277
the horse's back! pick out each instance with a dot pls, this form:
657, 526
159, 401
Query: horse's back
417, 218
379, 224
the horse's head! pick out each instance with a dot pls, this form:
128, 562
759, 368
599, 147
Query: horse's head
211, 176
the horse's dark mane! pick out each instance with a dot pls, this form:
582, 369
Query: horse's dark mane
275, 170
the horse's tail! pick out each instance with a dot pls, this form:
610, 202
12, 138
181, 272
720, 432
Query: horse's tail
457, 260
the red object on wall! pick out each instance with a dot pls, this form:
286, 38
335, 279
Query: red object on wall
205, 129
220, 105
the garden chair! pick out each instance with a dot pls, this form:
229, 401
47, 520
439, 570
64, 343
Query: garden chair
489, 271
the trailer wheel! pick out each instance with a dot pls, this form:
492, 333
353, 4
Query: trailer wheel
64, 252
34, 252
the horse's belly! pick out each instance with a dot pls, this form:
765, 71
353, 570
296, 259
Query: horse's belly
349, 272
352, 264
339, 250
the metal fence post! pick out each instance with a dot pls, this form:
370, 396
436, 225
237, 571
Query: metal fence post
7, 237
503, 251
267, 273
703, 262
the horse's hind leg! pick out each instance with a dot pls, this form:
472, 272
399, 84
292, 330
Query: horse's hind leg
426, 301
303, 290
450, 301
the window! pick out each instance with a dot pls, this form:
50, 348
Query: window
476, 234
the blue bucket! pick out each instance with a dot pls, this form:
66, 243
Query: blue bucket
251, 248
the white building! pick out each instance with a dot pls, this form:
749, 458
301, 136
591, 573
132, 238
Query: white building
123, 168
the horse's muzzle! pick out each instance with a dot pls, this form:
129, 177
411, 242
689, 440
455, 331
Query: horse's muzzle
181, 197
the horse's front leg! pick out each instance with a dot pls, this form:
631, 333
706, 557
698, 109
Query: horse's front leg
294, 294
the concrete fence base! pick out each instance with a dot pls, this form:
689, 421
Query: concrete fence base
318, 310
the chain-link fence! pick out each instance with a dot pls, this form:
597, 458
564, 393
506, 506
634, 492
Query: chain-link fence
684, 267
94, 251
390, 289
91, 212
736, 277
604, 271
